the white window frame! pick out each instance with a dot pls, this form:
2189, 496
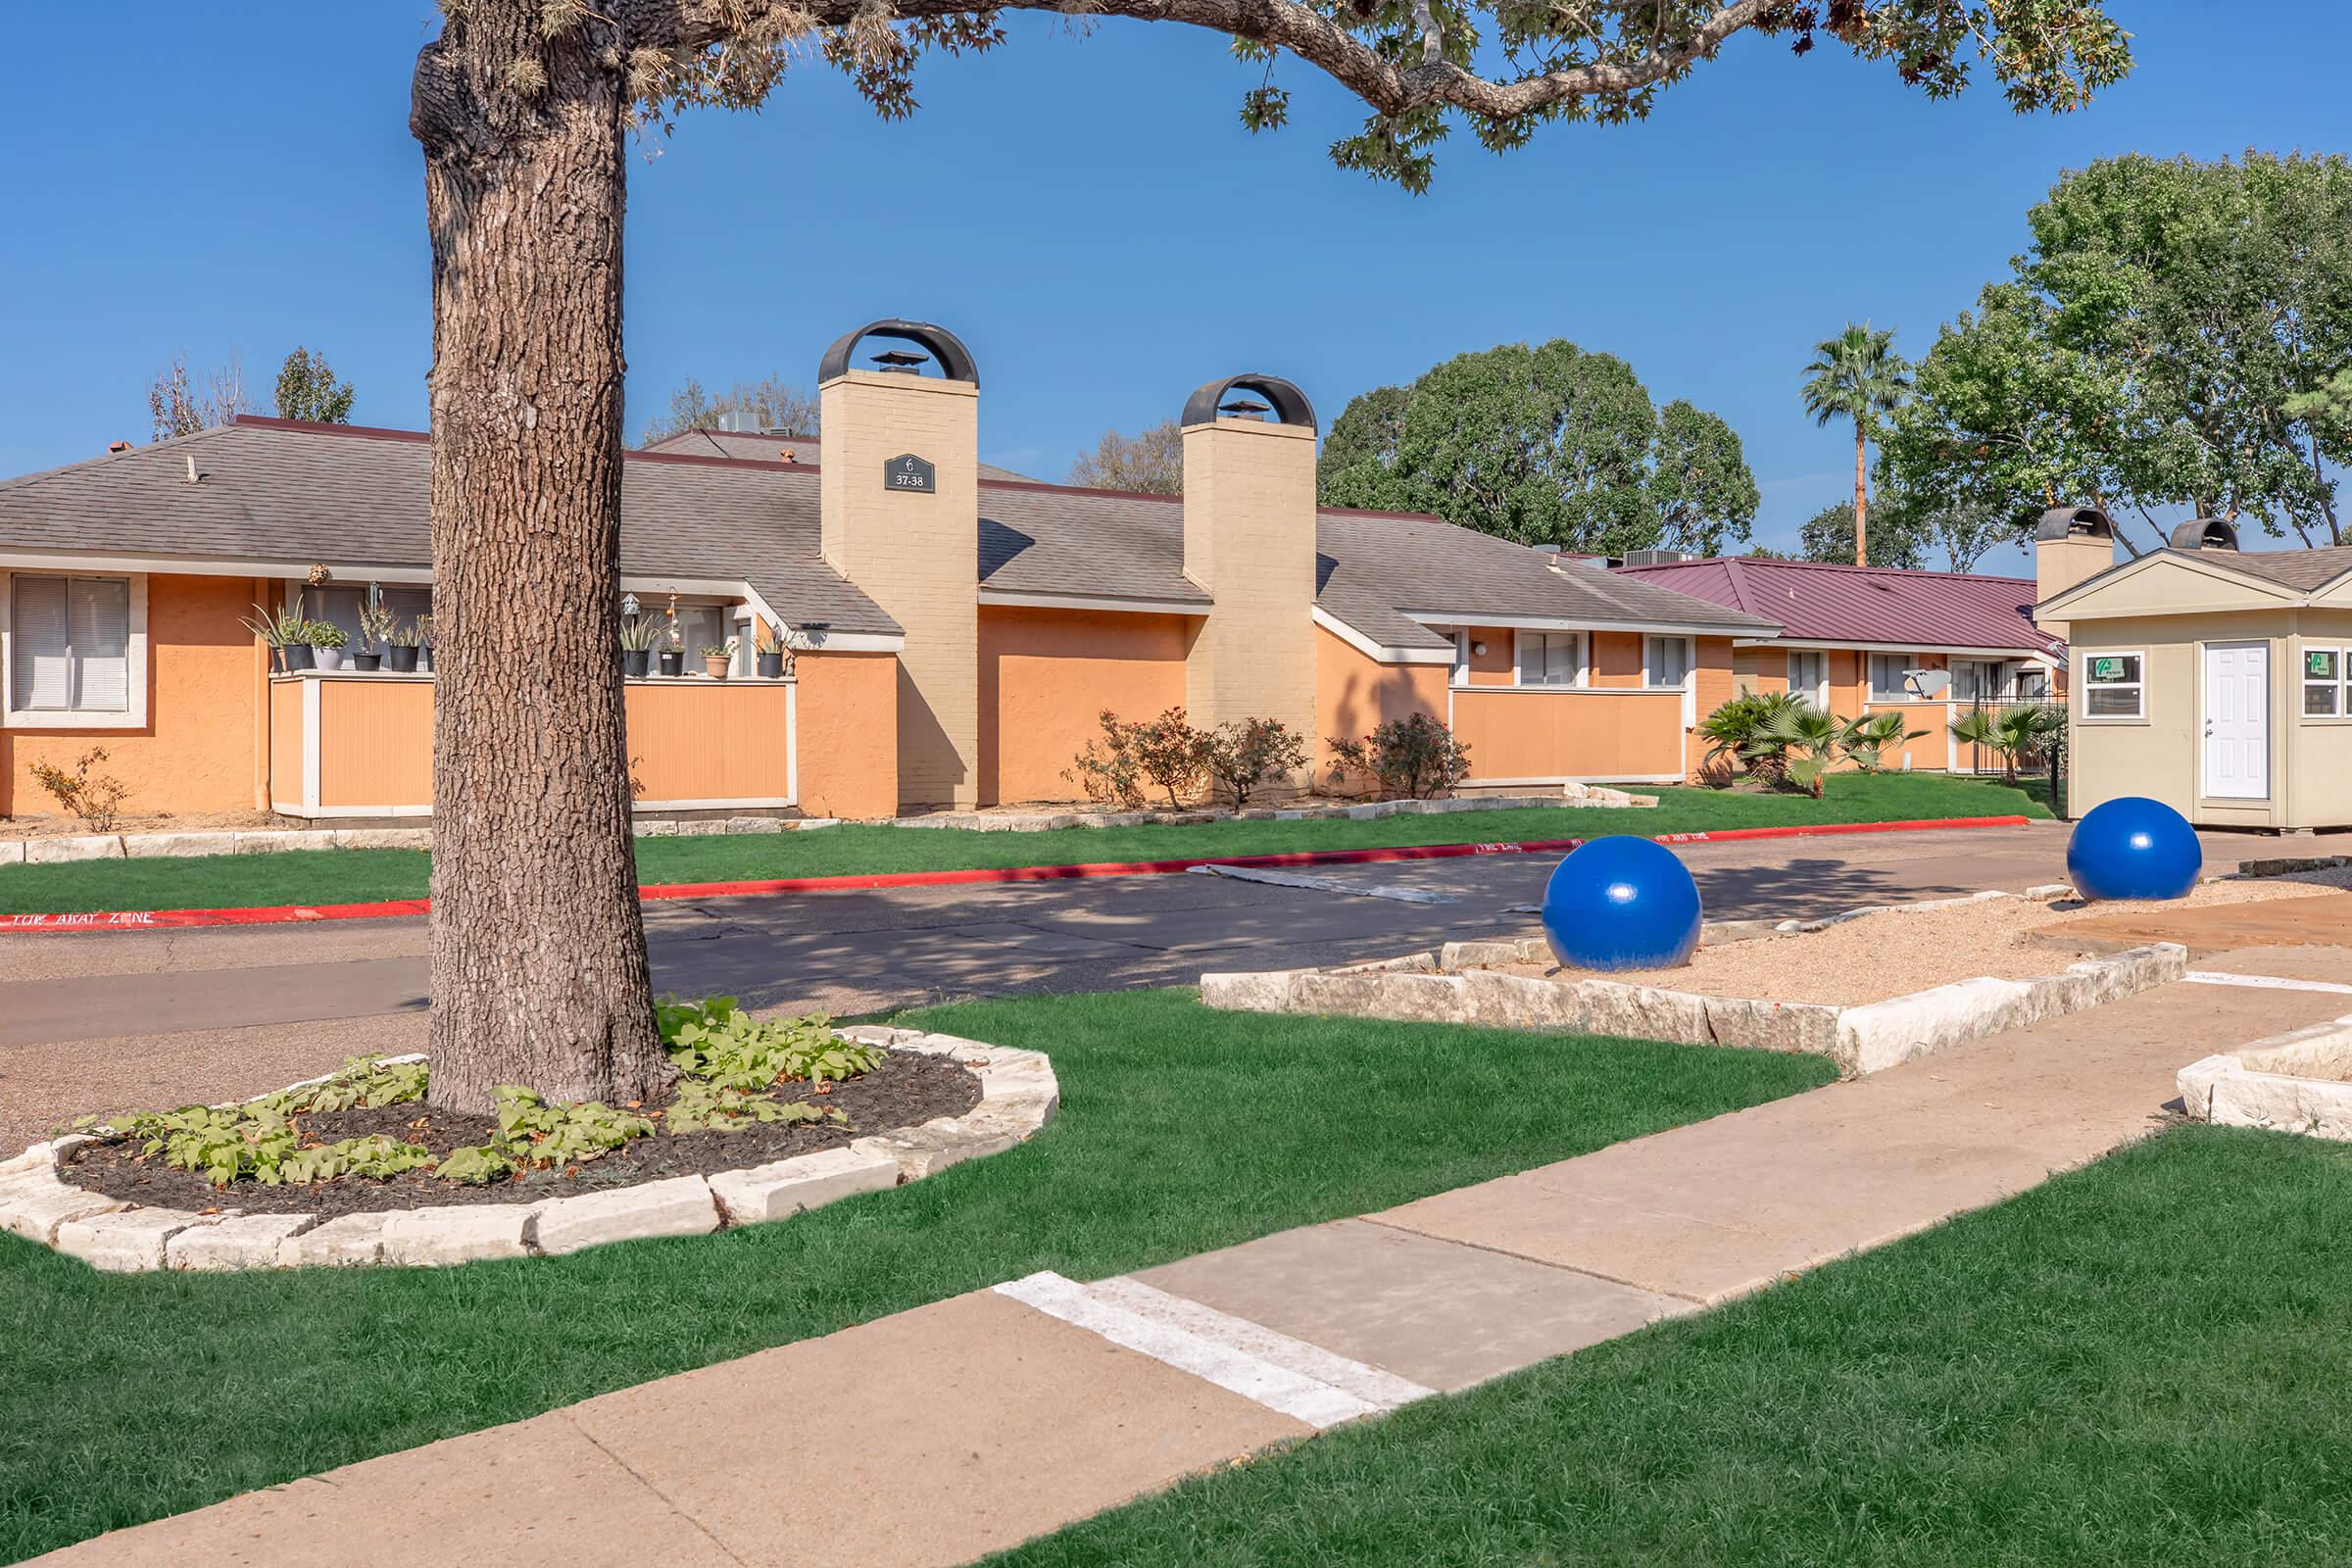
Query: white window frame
1688, 685
2341, 684
1815, 692
2138, 688
1579, 678
131, 716
1459, 675
1870, 679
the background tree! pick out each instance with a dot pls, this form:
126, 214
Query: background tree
1548, 445
522, 108
2167, 344
180, 404
1150, 461
1857, 375
1700, 484
773, 406
1828, 537
307, 389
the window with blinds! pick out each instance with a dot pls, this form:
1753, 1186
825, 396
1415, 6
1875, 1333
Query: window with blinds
69, 645
1668, 659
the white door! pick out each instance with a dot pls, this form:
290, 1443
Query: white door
2238, 721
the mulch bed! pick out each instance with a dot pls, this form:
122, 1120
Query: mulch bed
906, 1090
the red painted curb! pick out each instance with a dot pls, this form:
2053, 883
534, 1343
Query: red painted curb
297, 914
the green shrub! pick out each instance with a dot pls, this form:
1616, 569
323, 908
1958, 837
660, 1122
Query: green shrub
715, 1040
1166, 750
1246, 752
1413, 759
1740, 729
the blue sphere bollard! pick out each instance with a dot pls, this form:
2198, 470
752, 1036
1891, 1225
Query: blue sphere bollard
2134, 848
1621, 902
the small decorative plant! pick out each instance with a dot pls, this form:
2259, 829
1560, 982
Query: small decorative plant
1414, 757
96, 800
327, 642
637, 638
1249, 752
768, 652
1737, 731
282, 633
1166, 750
424, 642
1803, 727
400, 646
1867, 740
717, 658
377, 622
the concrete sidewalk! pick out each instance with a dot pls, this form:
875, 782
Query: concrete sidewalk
939, 1434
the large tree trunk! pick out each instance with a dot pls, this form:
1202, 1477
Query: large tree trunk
539, 971
1861, 500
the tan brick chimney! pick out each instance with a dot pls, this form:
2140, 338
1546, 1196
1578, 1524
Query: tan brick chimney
898, 473
2071, 545
1249, 542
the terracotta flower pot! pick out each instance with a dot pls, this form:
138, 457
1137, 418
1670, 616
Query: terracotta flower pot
715, 669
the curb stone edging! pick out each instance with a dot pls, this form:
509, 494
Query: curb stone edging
1570, 796
1454, 984
2257, 1085
1018, 1096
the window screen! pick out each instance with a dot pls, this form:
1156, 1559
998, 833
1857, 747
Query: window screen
1669, 659
69, 645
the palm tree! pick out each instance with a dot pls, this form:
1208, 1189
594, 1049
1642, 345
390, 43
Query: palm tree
2011, 733
1800, 726
1857, 375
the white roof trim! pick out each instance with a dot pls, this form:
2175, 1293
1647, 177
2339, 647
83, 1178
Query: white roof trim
1958, 650
817, 639
1016, 598
1376, 650
1661, 628
2188, 561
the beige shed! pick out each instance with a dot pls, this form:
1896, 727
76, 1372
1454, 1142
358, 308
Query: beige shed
2211, 679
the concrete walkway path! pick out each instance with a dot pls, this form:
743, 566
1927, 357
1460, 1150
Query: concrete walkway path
939, 1434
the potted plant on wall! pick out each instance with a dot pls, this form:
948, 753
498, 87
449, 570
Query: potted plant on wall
400, 649
424, 643
673, 644
327, 642
377, 622
284, 634
717, 659
771, 653
637, 638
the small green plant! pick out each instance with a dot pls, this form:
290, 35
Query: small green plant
1166, 752
1249, 752
725, 649
638, 635
1868, 739
365, 1083
1414, 757
1737, 731
404, 635
96, 800
484, 1163
2013, 734
281, 630
763, 638
374, 1156
540, 1134
703, 1106
1803, 727
716, 1041
324, 634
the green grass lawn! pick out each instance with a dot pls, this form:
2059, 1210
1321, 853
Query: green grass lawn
361, 876
2140, 1362
127, 1397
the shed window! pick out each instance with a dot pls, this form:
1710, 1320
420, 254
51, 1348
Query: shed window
1667, 659
2112, 686
1888, 682
70, 645
1548, 658
2324, 675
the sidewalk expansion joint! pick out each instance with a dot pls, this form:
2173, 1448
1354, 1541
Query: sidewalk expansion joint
1541, 1263
666, 1501
1289, 1376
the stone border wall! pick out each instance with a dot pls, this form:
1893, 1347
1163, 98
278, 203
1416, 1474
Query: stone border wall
1018, 1097
2264, 1084
1454, 984
264, 840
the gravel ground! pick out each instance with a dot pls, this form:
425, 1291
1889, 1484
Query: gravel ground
1897, 952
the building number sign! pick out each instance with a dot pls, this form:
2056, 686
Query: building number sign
909, 472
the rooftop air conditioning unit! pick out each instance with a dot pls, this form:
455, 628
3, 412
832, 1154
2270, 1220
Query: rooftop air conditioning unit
1657, 558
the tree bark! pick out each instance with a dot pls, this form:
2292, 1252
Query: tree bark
1861, 498
539, 973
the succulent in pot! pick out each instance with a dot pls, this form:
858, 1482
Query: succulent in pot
285, 634
327, 643
638, 635
376, 622
717, 658
768, 652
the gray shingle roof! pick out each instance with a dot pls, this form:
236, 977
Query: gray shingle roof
357, 498
2300, 570
753, 447
354, 498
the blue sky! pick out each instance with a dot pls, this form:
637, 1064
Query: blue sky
1084, 208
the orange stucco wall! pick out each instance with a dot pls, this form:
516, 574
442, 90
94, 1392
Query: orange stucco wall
1615, 659
849, 734
194, 749
1356, 694
1499, 665
1533, 733
1047, 674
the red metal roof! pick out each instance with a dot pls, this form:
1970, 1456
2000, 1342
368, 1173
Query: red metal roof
1853, 605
